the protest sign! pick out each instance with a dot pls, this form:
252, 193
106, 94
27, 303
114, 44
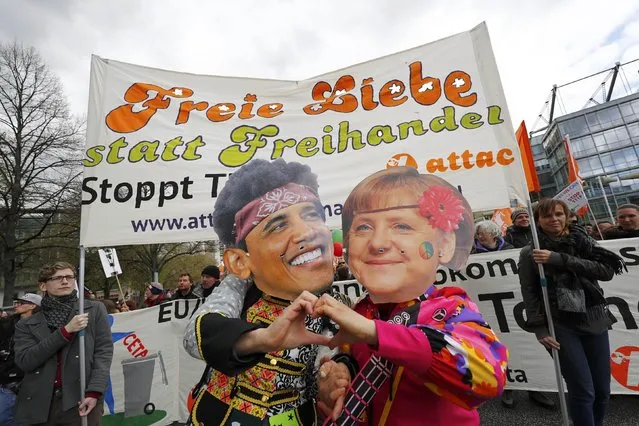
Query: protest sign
161, 144
490, 279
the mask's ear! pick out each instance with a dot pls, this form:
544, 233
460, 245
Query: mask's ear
447, 243
237, 262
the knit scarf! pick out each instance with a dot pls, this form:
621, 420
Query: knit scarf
56, 309
579, 299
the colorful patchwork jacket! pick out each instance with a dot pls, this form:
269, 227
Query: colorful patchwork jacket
446, 361
263, 389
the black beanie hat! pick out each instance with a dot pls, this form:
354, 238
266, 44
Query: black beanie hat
211, 271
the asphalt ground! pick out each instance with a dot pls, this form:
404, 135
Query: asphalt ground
623, 411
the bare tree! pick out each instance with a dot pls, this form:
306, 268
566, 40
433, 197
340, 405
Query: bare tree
39, 154
154, 257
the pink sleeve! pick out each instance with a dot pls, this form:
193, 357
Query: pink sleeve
408, 347
451, 348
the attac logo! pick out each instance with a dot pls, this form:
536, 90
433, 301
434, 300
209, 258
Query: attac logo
404, 159
624, 366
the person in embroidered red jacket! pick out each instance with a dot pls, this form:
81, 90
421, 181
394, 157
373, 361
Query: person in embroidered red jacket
416, 347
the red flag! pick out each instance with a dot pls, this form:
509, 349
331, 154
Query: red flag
573, 167
527, 158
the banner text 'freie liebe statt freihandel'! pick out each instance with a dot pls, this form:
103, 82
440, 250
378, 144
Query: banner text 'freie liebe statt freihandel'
161, 144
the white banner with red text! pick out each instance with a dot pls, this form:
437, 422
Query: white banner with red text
151, 374
161, 144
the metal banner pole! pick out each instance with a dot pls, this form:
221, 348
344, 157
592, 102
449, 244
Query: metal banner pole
551, 325
83, 377
603, 191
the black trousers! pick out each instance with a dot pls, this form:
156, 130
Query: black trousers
71, 417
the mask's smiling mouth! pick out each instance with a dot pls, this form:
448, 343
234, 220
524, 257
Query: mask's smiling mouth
306, 257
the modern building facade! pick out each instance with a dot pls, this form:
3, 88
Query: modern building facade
604, 140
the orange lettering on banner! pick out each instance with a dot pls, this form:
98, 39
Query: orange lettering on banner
425, 90
347, 102
457, 83
483, 159
368, 92
124, 120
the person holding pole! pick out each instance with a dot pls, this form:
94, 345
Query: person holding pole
47, 349
573, 264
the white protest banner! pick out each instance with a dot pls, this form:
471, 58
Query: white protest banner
573, 195
164, 373
110, 262
161, 144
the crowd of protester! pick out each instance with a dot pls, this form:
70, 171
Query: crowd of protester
38, 348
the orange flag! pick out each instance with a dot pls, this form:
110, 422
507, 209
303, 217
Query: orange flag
527, 158
573, 167
502, 218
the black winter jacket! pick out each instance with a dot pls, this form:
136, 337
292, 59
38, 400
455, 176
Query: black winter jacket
517, 236
585, 269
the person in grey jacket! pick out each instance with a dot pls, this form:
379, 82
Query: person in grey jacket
47, 350
573, 263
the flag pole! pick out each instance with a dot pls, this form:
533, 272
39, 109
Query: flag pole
603, 191
551, 326
83, 377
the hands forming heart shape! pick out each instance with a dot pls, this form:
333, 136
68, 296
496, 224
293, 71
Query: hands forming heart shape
288, 331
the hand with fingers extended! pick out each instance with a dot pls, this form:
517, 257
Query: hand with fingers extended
353, 327
333, 382
77, 323
286, 332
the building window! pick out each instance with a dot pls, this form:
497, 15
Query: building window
582, 147
611, 139
630, 110
590, 166
604, 119
624, 158
574, 127
633, 129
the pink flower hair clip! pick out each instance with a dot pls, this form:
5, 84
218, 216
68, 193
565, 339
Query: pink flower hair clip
443, 209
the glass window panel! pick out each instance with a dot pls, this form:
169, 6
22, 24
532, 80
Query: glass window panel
630, 110
583, 146
585, 168
593, 122
633, 129
600, 141
574, 127
608, 165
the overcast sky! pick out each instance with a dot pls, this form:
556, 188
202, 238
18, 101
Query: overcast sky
536, 43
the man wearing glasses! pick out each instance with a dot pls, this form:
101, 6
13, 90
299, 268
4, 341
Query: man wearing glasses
47, 350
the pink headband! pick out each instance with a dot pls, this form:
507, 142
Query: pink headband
254, 212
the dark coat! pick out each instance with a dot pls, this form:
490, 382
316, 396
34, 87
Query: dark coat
9, 371
36, 349
517, 236
585, 269
617, 233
